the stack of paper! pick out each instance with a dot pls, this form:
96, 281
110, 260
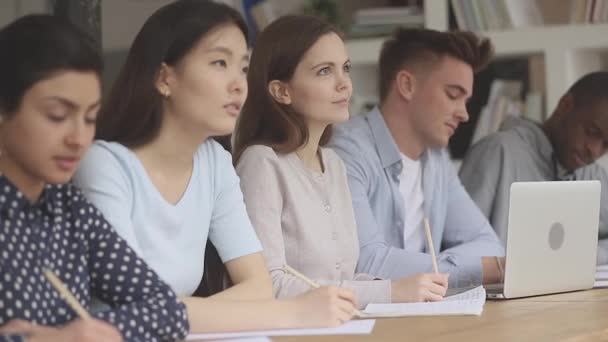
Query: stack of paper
360, 327
467, 303
601, 276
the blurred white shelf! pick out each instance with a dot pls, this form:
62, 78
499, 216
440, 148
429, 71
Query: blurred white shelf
530, 40
517, 42
569, 51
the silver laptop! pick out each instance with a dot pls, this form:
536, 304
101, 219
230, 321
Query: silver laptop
551, 239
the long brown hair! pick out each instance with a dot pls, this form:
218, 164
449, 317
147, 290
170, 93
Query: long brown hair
278, 51
132, 114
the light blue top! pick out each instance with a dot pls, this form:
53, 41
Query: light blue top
461, 233
171, 238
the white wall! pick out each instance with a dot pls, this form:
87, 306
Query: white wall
121, 20
7, 12
12, 9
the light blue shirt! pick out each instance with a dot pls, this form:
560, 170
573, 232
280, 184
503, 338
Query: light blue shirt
461, 233
171, 238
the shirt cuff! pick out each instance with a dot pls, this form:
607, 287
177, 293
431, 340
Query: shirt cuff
369, 291
228, 255
12, 338
464, 270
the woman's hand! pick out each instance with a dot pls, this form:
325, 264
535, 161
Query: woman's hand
89, 330
325, 307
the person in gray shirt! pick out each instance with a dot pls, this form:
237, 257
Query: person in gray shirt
564, 147
399, 171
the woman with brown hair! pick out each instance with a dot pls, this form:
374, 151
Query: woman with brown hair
296, 190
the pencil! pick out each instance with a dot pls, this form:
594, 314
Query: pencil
309, 281
429, 239
65, 293
314, 284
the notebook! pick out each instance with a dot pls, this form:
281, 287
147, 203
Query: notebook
357, 327
601, 276
466, 303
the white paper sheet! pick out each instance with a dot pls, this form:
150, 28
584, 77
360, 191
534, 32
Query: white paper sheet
467, 303
602, 268
357, 327
601, 276
242, 339
600, 283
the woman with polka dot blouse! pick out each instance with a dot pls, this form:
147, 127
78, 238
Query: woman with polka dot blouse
49, 98
167, 187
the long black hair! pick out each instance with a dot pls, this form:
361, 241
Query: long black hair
132, 114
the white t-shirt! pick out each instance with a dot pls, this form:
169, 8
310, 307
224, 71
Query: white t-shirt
410, 186
171, 238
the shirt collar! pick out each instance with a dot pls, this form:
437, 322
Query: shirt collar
548, 153
560, 172
544, 144
387, 148
10, 194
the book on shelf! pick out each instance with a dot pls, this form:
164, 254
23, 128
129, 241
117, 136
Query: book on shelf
492, 11
555, 15
381, 21
504, 100
491, 15
387, 15
533, 107
589, 11
364, 31
504, 103
497, 15
578, 12
524, 13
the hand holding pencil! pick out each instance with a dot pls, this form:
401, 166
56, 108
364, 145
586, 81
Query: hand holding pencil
330, 304
86, 328
65, 294
422, 287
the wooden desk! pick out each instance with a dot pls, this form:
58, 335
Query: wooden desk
595, 295
577, 316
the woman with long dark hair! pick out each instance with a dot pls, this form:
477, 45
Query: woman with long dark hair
167, 187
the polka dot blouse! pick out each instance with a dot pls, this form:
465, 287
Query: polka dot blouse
65, 233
